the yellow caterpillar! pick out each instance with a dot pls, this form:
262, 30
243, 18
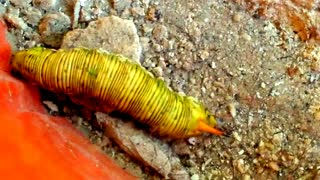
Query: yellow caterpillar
108, 82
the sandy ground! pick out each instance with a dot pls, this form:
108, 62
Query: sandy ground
253, 65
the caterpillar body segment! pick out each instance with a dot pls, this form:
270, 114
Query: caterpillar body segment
107, 82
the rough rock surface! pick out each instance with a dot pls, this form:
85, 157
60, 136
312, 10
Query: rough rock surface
111, 33
45, 4
53, 27
144, 147
20, 3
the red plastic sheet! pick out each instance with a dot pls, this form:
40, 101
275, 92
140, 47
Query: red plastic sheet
34, 145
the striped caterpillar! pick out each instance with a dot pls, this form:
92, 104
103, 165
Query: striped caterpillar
107, 82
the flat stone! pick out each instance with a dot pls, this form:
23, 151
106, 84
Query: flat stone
142, 146
111, 33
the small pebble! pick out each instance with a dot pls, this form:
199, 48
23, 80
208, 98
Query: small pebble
274, 166
245, 36
237, 17
147, 29
203, 90
192, 140
236, 136
232, 109
152, 14
120, 5
33, 16
204, 55
181, 149
200, 153
77, 120
278, 138
53, 107
195, 177
171, 44
76, 13
156, 47
246, 177
144, 41
160, 32
316, 115
240, 165
20, 3
241, 152
137, 11
158, 71
3, 9
45, 4
213, 65
205, 164
187, 66
16, 21
145, 2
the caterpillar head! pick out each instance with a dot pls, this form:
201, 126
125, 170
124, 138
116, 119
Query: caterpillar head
204, 121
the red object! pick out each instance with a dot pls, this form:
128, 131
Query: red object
5, 49
34, 145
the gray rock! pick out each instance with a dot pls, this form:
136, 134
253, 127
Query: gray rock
160, 32
45, 4
53, 27
16, 21
92, 9
145, 148
76, 13
111, 33
33, 16
120, 5
21, 3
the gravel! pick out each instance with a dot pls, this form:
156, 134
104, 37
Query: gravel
254, 64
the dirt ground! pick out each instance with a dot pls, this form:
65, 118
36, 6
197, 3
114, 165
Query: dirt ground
254, 64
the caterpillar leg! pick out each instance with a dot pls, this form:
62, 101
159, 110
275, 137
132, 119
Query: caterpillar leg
203, 127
